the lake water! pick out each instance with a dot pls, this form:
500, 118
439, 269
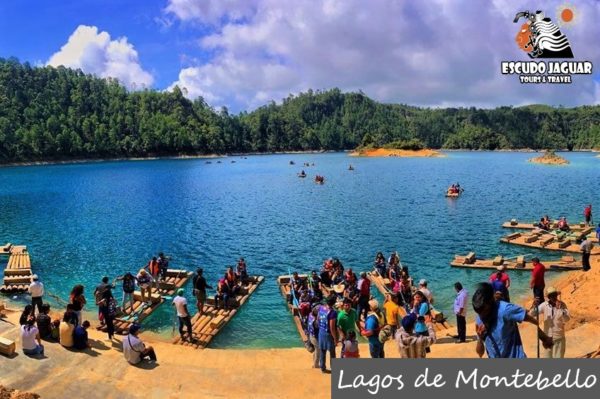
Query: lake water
83, 221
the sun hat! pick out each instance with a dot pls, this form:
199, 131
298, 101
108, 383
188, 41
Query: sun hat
373, 304
552, 290
339, 288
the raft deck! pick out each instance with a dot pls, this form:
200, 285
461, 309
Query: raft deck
17, 274
515, 224
176, 279
469, 261
206, 326
383, 285
286, 289
552, 242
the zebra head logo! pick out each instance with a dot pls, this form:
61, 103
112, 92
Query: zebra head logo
540, 37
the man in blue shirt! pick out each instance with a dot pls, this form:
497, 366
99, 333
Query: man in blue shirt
373, 325
497, 329
327, 322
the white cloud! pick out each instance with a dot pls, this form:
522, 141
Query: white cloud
94, 52
435, 53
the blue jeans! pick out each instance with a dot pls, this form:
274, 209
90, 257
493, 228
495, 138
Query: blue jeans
38, 350
326, 344
376, 350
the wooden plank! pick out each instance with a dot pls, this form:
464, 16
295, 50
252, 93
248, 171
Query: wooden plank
564, 264
555, 245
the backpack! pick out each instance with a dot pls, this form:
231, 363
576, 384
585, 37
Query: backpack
128, 284
385, 333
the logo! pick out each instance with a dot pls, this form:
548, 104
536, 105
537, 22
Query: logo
541, 38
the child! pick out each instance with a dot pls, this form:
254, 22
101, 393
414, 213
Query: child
351, 345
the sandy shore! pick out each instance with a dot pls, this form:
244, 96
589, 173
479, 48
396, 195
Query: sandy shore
382, 152
180, 372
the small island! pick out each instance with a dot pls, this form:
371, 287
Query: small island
550, 158
400, 148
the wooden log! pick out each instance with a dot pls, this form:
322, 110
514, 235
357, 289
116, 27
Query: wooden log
564, 244
7, 346
531, 238
545, 241
17, 272
513, 236
470, 258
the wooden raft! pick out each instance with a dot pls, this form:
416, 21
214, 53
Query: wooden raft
17, 274
384, 287
286, 289
548, 241
515, 224
175, 279
566, 263
206, 326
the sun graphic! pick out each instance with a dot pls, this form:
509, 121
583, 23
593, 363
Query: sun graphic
566, 15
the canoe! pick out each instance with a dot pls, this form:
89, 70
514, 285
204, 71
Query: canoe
452, 195
469, 261
549, 241
285, 288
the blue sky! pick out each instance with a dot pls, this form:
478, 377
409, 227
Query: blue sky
244, 53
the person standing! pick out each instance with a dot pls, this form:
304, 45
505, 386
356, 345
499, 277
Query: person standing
501, 282
154, 270
313, 335
371, 331
200, 286
411, 345
537, 282
587, 214
364, 294
347, 320
497, 325
326, 319
99, 294
423, 288
555, 314
108, 309
460, 310
78, 301
36, 289
392, 311
163, 265
183, 314
586, 250
129, 281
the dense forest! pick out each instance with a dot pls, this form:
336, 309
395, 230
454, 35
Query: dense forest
49, 113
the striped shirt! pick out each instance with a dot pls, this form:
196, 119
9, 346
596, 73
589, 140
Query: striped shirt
412, 346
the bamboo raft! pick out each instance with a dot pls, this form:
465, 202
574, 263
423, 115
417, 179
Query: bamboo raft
17, 274
471, 262
384, 286
286, 289
515, 224
176, 279
206, 326
552, 242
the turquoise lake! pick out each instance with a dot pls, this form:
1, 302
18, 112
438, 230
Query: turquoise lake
83, 221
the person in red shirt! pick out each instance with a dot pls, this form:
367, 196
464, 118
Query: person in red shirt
537, 282
501, 282
587, 213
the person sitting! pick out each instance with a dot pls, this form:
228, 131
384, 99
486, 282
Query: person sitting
27, 311
563, 225
326, 278
379, 264
44, 323
242, 271
223, 294
67, 327
134, 349
30, 338
231, 277
544, 224
80, 336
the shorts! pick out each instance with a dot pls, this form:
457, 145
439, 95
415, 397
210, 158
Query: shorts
200, 295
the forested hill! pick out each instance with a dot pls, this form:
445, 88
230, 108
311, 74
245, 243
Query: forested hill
56, 113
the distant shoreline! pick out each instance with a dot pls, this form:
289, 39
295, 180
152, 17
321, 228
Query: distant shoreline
240, 154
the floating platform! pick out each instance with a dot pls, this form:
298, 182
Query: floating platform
566, 263
206, 326
549, 241
176, 279
515, 224
17, 274
286, 289
384, 287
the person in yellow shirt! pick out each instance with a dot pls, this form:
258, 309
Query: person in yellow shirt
392, 310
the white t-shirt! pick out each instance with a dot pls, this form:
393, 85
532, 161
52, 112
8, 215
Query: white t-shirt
28, 337
132, 348
36, 289
180, 303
